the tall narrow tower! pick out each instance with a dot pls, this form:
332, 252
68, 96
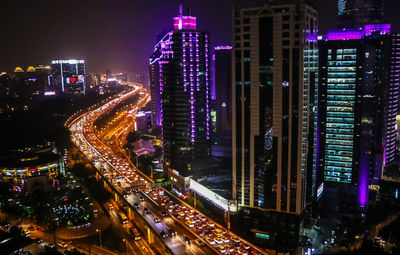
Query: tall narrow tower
180, 62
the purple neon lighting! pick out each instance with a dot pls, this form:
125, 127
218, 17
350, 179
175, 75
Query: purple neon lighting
184, 22
345, 34
311, 37
223, 48
356, 33
382, 28
363, 180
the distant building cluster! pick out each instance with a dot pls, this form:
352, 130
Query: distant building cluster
63, 76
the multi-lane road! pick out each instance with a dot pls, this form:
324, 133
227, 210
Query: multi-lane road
161, 210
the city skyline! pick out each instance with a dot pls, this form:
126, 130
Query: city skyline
262, 127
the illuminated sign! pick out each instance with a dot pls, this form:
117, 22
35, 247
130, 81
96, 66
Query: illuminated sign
212, 196
263, 236
49, 93
17, 188
320, 190
374, 187
70, 61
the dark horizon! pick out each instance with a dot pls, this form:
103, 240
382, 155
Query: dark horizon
118, 36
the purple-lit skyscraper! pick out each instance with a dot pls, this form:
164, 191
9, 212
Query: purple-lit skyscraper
180, 76
358, 97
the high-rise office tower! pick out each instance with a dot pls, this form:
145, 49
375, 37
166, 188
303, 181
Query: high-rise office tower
223, 87
358, 97
69, 76
182, 59
154, 74
273, 77
222, 103
357, 13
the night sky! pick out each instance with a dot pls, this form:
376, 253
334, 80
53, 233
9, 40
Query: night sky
115, 34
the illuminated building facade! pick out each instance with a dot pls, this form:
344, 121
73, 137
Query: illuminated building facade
274, 66
31, 166
357, 13
69, 76
180, 62
358, 101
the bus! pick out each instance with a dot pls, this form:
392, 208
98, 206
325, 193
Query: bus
123, 218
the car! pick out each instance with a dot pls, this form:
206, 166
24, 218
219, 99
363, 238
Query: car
172, 232
237, 246
186, 240
62, 244
229, 248
136, 205
218, 240
164, 213
199, 242
163, 234
235, 239
189, 224
210, 240
246, 246
225, 239
146, 211
38, 240
222, 249
31, 228
156, 220
141, 198
137, 235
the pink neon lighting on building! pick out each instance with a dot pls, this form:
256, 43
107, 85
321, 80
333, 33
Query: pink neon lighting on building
223, 48
184, 22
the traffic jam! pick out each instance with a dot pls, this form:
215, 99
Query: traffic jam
200, 225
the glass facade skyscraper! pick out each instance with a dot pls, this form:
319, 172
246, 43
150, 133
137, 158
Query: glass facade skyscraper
274, 63
180, 66
358, 98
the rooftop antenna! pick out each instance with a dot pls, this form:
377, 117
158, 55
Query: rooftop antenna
180, 25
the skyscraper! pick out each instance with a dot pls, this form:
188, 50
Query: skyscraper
357, 13
223, 87
272, 93
182, 59
69, 76
154, 73
358, 99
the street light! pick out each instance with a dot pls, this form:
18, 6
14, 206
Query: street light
99, 231
126, 245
